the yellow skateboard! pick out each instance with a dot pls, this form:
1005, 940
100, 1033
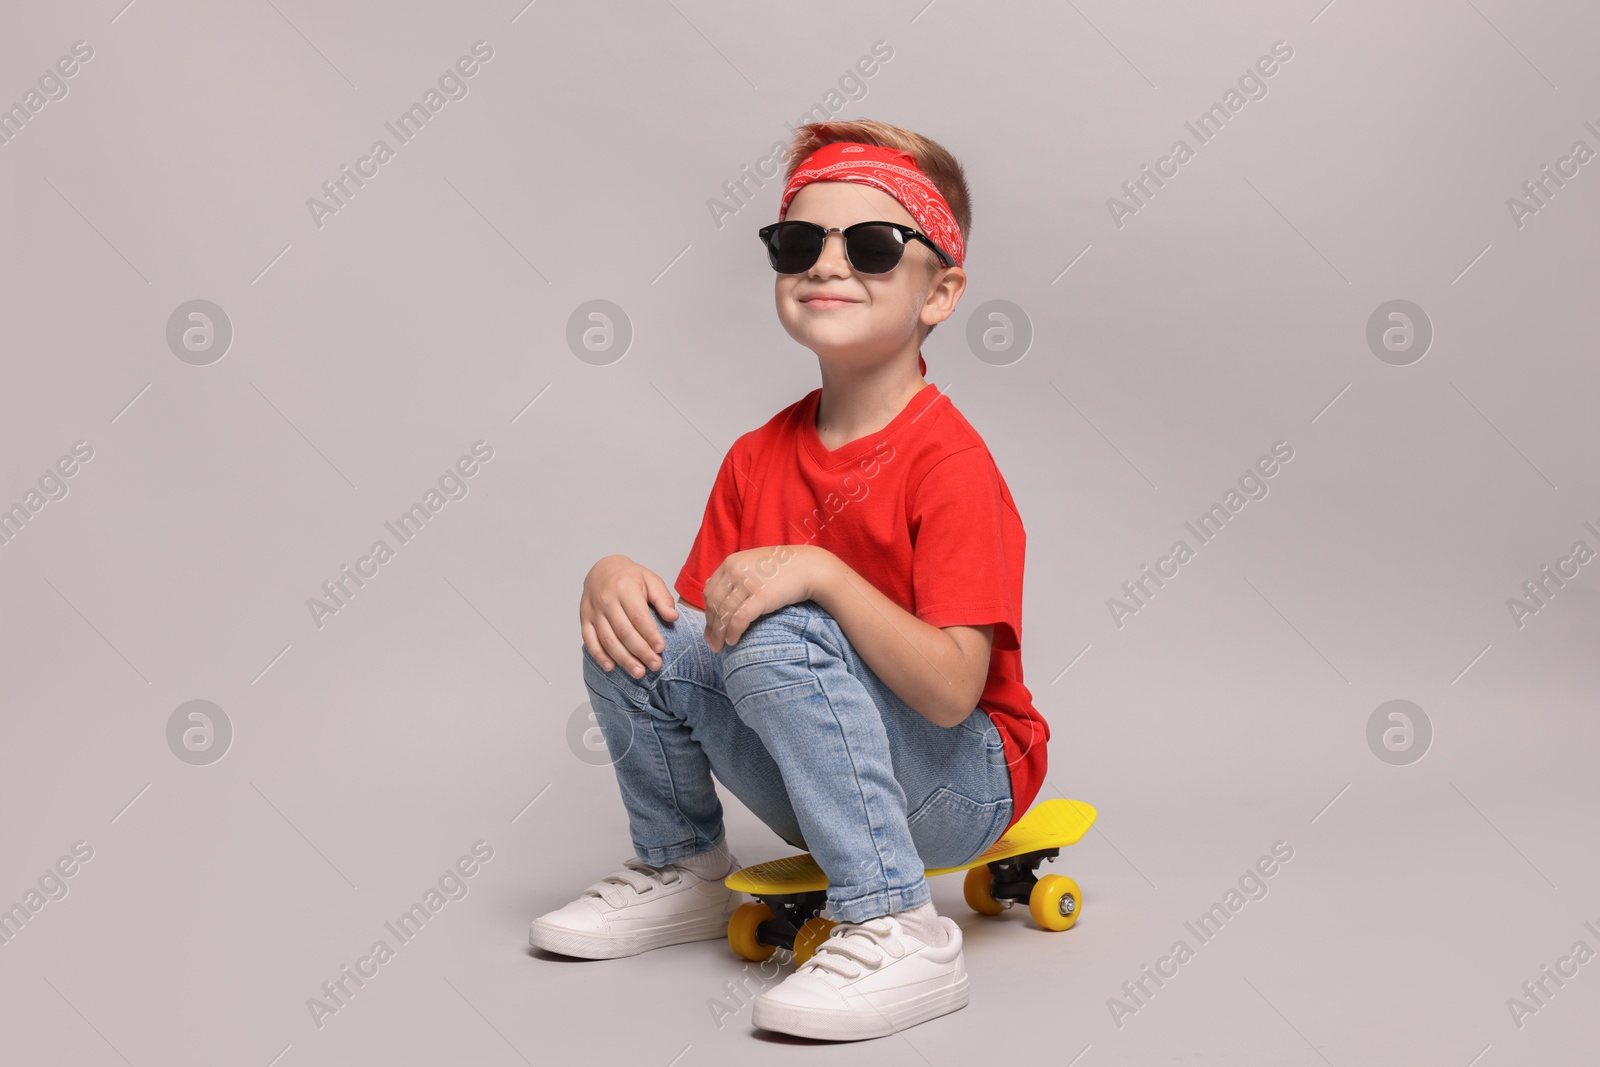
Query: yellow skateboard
791, 893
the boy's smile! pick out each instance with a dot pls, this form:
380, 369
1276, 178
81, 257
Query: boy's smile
818, 301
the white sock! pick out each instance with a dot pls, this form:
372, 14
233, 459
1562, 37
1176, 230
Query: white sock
924, 924
712, 865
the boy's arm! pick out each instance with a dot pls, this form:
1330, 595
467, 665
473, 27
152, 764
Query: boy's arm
940, 673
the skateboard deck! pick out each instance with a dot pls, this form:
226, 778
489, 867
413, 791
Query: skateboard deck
1052, 824
793, 891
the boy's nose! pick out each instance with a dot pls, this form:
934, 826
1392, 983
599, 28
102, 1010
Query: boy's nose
833, 254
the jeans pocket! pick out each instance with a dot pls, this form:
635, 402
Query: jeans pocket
951, 829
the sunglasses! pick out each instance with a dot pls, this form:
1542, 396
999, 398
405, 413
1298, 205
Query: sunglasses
871, 247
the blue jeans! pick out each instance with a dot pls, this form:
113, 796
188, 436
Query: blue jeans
796, 725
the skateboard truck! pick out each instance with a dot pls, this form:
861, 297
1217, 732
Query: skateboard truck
1014, 878
790, 912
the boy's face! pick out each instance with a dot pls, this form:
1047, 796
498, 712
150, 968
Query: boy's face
881, 313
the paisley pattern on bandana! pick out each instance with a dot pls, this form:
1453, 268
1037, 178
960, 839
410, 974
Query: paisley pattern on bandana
891, 170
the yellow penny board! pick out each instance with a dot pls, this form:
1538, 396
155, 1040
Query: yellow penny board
1052, 824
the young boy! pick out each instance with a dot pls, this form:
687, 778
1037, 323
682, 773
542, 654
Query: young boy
845, 651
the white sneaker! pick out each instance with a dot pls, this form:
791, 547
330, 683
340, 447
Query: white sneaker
867, 980
634, 909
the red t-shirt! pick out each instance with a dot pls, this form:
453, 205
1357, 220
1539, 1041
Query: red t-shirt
918, 509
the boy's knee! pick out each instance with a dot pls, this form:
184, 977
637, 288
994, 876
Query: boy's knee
790, 622
783, 627
803, 624
687, 629
684, 652
775, 651
628, 692
594, 674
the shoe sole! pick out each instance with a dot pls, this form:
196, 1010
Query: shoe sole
825, 1025
592, 946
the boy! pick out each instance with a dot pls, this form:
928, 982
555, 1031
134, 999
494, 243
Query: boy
845, 650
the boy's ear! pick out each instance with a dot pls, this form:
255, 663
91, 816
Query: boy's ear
955, 279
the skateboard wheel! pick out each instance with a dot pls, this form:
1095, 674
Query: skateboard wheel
742, 931
812, 933
976, 889
1056, 902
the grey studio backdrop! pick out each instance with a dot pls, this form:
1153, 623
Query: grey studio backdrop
1370, 272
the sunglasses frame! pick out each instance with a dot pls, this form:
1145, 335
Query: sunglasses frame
907, 233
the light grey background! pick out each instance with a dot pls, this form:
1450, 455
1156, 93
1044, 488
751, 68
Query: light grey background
432, 311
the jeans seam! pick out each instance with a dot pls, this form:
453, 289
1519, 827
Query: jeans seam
826, 640
648, 686
688, 682
872, 829
1005, 804
672, 781
762, 655
999, 805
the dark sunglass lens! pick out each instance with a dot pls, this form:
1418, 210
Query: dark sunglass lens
792, 248
875, 249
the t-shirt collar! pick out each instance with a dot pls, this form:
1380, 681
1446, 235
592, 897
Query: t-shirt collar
854, 450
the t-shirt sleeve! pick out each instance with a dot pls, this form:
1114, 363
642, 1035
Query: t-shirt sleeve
718, 537
960, 573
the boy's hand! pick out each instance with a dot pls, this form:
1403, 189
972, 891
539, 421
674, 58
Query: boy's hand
751, 583
615, 612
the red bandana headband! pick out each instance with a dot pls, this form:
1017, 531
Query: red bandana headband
889, 169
